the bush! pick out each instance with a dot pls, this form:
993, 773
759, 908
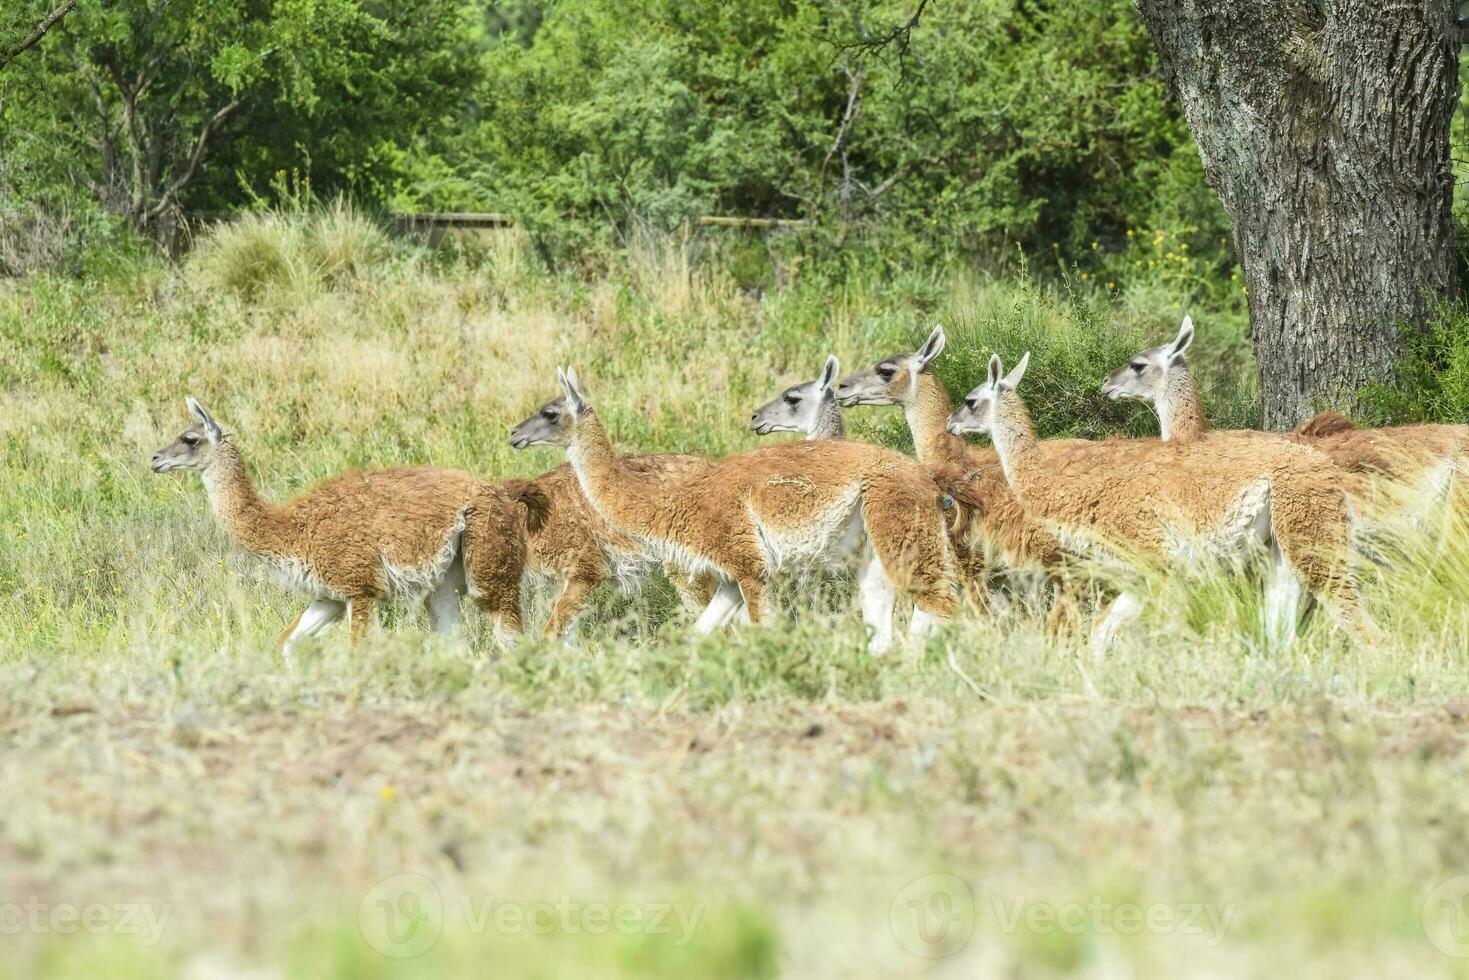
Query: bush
1006, 122
1433, 377
259, 251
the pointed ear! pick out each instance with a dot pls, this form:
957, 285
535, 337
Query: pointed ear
1182, 341
932, 347
828, 373
571, 388
995, 370
1012, 380
211, 427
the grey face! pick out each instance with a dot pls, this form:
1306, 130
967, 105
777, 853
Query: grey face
891, 380
800, 408
550, 426
977, 412
885, 383
194, 449
1141, 378
980, 406
1145, 375
796, 410
188, 452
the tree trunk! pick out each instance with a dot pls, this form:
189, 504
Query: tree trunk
1324, 126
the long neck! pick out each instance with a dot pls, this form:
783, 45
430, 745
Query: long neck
927, 412
1181, 410
829, 423
624, 498
256, 524
1015, 443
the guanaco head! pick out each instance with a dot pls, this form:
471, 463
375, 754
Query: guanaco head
800, 408
196, 447
553, 422
1146, 374
983, 404
893, 380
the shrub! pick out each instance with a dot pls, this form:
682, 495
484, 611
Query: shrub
258, 251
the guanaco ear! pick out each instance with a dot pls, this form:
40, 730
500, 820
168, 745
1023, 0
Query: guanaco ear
828, 373
211, 428
1181, 342
571, 388
1012, 380
995, 370
932, 347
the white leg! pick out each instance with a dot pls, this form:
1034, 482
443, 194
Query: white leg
725, 603
923, 623
317, 617
443, 601
877, 597
1283, 595
1123, 610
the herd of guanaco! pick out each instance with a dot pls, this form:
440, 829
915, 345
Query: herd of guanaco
954, 521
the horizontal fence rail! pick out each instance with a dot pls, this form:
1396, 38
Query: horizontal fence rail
496, 219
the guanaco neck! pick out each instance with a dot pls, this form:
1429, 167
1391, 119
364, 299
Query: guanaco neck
927, 411
1180, 409
256, 524
1013, 436
829, 424
625, 499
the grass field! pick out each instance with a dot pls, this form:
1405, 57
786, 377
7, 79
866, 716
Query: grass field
641, 802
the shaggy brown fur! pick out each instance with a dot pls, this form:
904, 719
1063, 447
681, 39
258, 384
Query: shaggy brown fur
1172, 500
1404, 456
583, 551
989, 526
744, 515
990, 517
360, 538
1328, 423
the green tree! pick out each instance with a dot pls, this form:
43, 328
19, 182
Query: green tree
25, 24
139, 95
1008, 120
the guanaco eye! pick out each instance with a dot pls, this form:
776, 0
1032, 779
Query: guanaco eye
973, 404
793, 400
1138, 367
550, 413
191, 439
886, 373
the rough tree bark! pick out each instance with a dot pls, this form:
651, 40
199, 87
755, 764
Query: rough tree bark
1324, 126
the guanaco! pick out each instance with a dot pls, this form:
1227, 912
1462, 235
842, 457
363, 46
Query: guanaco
747, 516
409, 533
1176, 501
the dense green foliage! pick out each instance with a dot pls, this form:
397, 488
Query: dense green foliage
151, 109
1003, 122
